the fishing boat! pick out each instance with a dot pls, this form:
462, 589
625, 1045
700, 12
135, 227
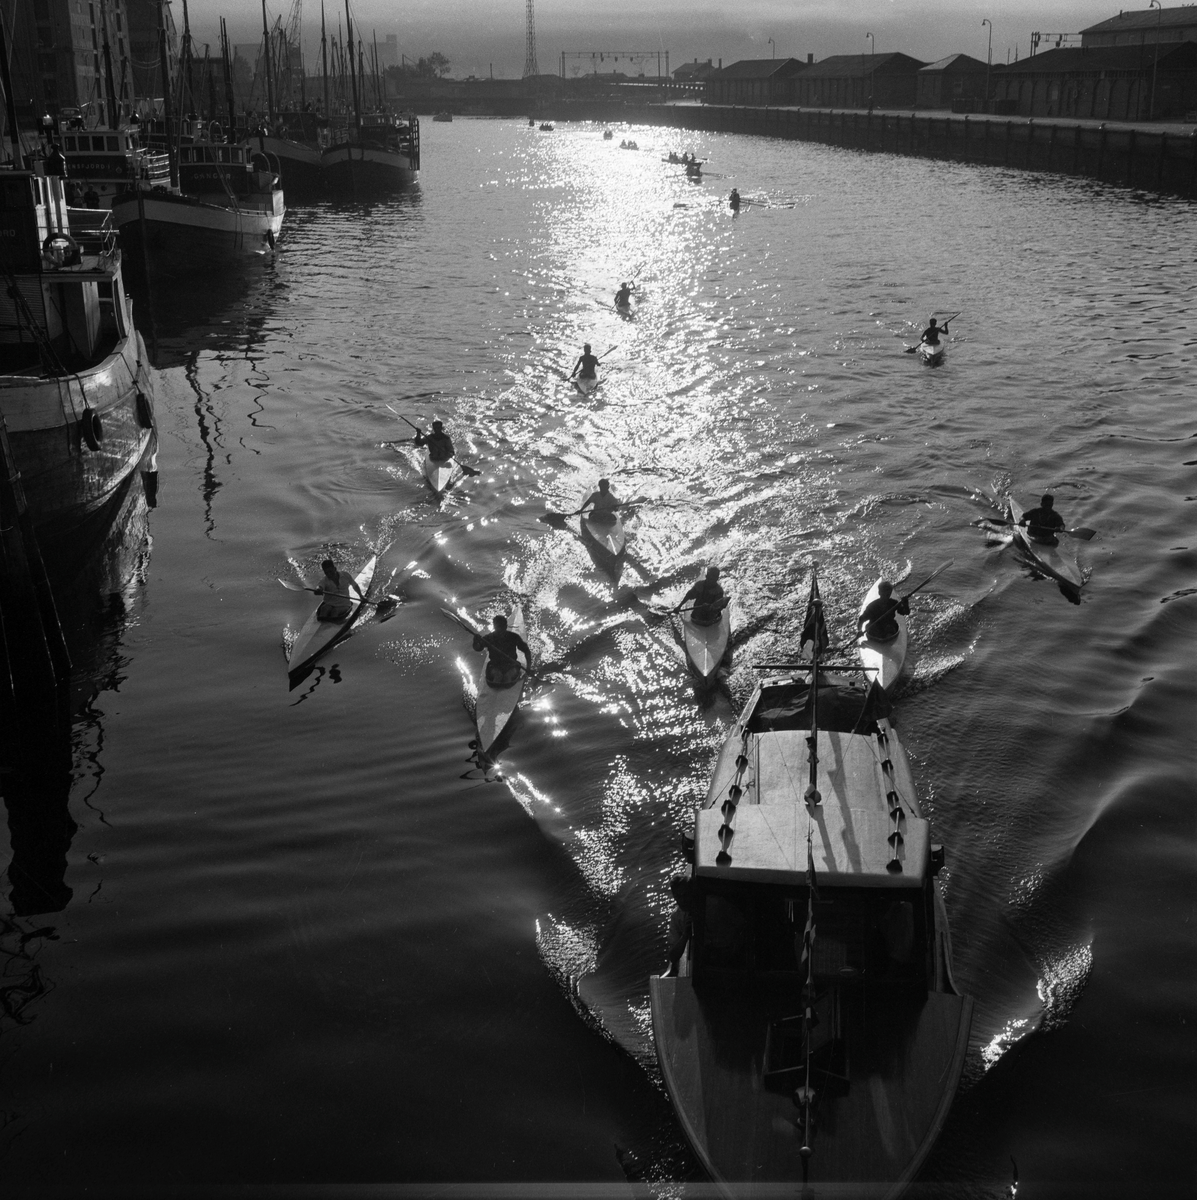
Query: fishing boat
546, 127
706, 644
318, 637
76, 391
1051, 560
228, 210
293, 141
108, 162
441, 475
884, 659
809, 1031
379, 152
495, 706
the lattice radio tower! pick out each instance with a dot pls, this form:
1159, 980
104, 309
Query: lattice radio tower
530, 67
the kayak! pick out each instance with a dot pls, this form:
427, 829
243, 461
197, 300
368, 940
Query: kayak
585, 383
932, 352
608, 536
706, 644
441, 476
496, 706
1049, 559
884, 660
317, 637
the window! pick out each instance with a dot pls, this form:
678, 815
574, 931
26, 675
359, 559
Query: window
113, 144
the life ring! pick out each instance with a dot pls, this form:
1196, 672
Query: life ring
63, 249
145, 410
91, 428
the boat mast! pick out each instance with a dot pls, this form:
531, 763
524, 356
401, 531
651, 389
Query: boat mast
228, 81
269, 76
324, 60
377, 92
109, 83
172, 153
14, 135
357, 113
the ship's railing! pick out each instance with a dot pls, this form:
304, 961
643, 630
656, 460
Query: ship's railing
92, 228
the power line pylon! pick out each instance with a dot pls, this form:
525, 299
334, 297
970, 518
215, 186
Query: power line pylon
530, 67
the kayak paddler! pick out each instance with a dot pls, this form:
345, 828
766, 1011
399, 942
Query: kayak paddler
879, 621
439, 443
1042, 522
623, 298
709, 599
587, 365
602, 504
734, 200
338, 589
502, 646
932, 332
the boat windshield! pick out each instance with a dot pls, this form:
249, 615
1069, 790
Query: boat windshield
875, 935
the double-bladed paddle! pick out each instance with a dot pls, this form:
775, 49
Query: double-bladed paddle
478, 633
599, 359
466, 468
386, 600
556, 518
944, 327
1083, 532
894, 603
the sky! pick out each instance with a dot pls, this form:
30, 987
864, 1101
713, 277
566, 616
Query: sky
478, 34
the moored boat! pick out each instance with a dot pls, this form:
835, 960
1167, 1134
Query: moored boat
293, 141
809, 1031
318, 637
108, 162
229, 210
441, 475
706, 644
495, 706
1049, 559
380, 152
884, 659
76, 392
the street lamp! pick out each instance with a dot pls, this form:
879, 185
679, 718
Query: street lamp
988, 60
774, 45
872, 67
1155, 65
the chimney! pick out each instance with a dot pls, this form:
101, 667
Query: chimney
810, 58
721, 64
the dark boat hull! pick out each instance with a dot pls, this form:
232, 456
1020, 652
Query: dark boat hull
185, 236
353, 167
907, 1052
301, 167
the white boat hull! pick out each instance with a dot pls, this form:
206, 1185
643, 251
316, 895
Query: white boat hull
441, 476
495, 707
609, 536
884, 660
706, 644
318, 637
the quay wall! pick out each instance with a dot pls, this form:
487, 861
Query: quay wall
1147, 157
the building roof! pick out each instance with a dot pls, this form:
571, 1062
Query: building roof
760, 68
857, 66
1071, 61
695, 70
954, 62
1148, 18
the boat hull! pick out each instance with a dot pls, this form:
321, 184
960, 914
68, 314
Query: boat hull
711, 1046
494, 707
318, 637
68, 482
301, 167
441, 476
586, 384
884, 660
607, 537
932, 352
183, 236
1048, 559
351, 167
706, 644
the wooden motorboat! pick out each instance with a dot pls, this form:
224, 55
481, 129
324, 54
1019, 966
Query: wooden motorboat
318, 637
809, 1031
441, 474
495, 706
706, 644
884, 660
1051, 560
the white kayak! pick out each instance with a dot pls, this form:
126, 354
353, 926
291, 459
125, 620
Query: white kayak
495, 707
586, 383
932, 352
1049, 559
609, 536
441, 476
706, 644
316, 637
885, 658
